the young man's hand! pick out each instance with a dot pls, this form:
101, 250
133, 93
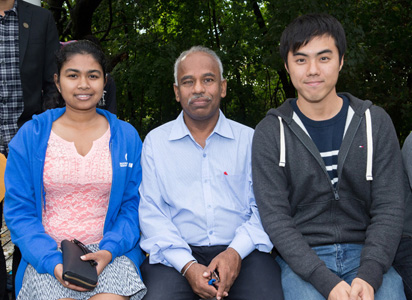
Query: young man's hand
341, 291
360, 289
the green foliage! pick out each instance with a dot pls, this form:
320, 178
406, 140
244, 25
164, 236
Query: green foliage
144, 37
153, 33
381, 67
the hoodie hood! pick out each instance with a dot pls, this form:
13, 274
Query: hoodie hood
285, 113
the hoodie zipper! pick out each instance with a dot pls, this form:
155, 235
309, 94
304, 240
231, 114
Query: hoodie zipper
334, 189
335, 192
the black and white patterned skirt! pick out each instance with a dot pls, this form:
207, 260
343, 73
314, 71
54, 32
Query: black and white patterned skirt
119, 277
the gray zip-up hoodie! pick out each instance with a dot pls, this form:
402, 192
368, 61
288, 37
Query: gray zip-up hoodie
300, 208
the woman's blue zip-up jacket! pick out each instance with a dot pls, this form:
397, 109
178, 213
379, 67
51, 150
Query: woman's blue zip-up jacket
25, 196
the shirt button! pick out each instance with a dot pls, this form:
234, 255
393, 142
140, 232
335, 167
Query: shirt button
204, 154
209, 206
210, 232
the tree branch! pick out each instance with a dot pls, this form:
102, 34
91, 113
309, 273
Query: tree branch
110, 21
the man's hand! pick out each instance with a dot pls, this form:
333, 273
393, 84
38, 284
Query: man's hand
361, 290
341, 291
58, 273
102, 257
227, 264
198, 283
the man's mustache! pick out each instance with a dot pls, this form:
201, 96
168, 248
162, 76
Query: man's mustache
197, 97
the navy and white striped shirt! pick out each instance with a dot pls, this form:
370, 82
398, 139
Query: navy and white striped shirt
327, 136
11, 93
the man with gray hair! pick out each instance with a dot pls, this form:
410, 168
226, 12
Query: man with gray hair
197, 211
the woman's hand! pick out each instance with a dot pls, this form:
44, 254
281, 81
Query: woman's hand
58, 273
102, 257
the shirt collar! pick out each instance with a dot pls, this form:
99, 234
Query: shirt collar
180, 130
14, 8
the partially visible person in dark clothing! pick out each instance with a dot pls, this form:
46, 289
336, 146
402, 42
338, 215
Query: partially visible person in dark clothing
108, 100
403, 258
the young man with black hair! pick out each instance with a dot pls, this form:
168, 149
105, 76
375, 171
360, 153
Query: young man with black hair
327, 174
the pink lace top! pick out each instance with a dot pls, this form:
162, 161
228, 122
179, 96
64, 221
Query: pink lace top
77, 189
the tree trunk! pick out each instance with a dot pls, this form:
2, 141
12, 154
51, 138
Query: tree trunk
81, 15
288, 87
59, 13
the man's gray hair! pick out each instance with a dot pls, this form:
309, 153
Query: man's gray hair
198, 49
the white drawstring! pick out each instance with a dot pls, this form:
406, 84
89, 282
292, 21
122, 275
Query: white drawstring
282, 159
369, 177
369, 145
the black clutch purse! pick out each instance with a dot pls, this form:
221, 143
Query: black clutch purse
76, 271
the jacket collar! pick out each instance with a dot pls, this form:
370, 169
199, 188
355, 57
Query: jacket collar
43, 122
285, 111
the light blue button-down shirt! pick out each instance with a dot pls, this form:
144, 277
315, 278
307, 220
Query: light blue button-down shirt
198, 196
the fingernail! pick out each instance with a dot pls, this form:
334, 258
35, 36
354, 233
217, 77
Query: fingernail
66, 283
205, 274
83, 257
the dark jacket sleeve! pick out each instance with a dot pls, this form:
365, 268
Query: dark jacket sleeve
49, 90
387, 201
271, 187
38, 43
